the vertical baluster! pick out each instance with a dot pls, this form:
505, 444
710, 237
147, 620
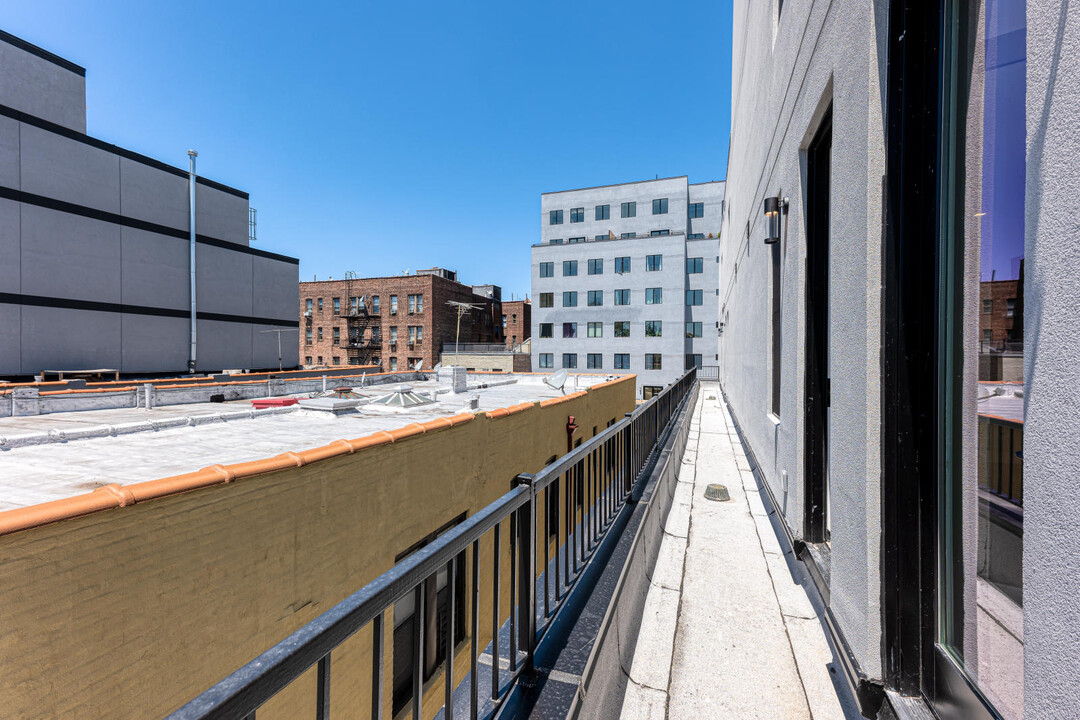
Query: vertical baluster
558, 540
568, 501
322, 700
579, 472
474, 632
513, 591
451, 590
377, 666
586, 507
545, 540
495, 617
418, 652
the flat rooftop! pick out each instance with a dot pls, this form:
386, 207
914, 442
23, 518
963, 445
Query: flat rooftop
40, 462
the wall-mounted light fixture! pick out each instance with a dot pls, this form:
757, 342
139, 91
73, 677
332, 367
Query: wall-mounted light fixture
773, 206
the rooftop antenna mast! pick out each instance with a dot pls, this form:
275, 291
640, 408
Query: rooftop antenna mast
279, 331
462, 308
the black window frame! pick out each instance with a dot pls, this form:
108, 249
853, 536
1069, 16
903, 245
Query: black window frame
577, 215
596, 266
695, 210
623, 262
555, 217
621, 328
569, 298
628, 209
654, 263
550, 327
603, 212
570, 265
546, 300
569, 365
547, 269
695, 266
660, 206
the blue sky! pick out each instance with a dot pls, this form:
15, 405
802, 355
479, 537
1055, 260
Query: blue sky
379, 137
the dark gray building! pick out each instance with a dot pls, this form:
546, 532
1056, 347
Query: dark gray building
95, 264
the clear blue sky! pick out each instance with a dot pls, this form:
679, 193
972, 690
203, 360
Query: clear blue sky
377, 137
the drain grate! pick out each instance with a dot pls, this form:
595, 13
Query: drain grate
717, 492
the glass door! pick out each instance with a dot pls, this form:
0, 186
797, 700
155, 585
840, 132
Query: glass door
980, 524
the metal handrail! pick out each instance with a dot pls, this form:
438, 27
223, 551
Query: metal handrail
604, 471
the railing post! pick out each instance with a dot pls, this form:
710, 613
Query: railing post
526, 528
628, 455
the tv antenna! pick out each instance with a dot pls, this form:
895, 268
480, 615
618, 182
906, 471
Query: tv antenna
279, 331
462, 308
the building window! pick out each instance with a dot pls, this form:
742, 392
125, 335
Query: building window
654, 263
555, 217
569, 360
374, 303
601, 237
1010, 307
654, 328
654, 296
546, 329
576, 240
320, 362
393, 335
569, 329
649, 391
693, 360
695, 210
307, 336
393, 304
628, 236
659, 233
696, 236
307, 359
594, 361
596, 266
320, 304
695, 266
987, 335
547, 269
622, 361
337, 336
337, 306
416, 304
577, 215
555, 241
307, 306
659, 206
622, 328
547, 360
603, 212
504, 322
654, 361
393, 364
596, 298
320, 334
629, 209
596, 329
337, 360
988, 307
547, 300
693, 297
569, 298
622, 297
569, 268
622, 265
693, 329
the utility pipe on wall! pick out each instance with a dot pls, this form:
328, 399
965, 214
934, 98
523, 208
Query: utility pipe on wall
192, 154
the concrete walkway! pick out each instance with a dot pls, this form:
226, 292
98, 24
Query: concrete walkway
726, 631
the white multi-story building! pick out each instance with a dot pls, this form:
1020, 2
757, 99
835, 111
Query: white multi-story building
624, 279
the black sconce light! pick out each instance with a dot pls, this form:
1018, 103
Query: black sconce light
773, 206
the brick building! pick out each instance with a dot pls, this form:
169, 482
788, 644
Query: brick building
516, 322
393, 322
1001, 312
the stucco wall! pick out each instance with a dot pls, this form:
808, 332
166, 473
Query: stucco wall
786, 70
1052, 363
130, 612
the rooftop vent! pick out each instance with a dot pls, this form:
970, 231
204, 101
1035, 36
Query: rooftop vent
402, 396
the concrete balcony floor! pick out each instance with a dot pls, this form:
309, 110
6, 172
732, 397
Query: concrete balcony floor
727, 632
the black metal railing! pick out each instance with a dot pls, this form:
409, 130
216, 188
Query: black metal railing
577, 497
708, 372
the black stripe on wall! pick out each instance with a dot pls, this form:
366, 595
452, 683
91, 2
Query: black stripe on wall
95, 214
69, 304
115, 149
42, 53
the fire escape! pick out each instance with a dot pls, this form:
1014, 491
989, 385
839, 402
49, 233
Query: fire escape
364, 333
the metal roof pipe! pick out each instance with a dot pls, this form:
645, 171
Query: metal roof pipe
192, 154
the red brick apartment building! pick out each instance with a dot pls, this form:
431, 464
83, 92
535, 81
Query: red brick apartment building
395, 321
516, 322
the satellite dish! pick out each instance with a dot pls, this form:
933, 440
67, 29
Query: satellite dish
556, 380
419, 364
437, 368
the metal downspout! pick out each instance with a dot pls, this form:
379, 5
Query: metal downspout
192, 154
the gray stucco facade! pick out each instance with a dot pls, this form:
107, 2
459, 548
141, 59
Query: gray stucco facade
789, 68
600, 237
94, 241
